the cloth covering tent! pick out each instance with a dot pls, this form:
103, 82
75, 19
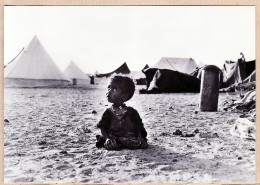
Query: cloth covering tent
168, 81
145, 67
250, 67
172, 75
237, 72
183, 65
76, 75
123, 69
228, 66
33, 68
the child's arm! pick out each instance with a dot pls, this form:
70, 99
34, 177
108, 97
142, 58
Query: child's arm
110, 143
140, 138
141, 132
104, 133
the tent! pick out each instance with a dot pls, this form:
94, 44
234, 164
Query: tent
145, 67
138, 76
76, 75
250, 67
228, 66
123, 69
33, 68
168, 81
183, 65
237, 72
172, 75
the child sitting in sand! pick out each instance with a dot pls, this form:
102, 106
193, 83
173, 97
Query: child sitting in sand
121, 126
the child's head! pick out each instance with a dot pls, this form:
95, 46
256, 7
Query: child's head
120, 89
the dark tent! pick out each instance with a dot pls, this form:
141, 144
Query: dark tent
123, 69
166, 81
237, 72
145, 67
250, 67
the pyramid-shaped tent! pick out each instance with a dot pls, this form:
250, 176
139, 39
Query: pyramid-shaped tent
33, 68
76, 75
123, 69
183, 65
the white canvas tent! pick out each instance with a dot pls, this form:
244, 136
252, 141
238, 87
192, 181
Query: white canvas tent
76, 75
33, 68
136, 74
183, 65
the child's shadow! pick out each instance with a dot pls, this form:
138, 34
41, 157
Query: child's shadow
157, 155
169, 160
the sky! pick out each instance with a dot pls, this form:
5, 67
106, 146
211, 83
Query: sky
101, 38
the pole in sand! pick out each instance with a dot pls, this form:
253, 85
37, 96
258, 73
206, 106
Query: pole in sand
209, 89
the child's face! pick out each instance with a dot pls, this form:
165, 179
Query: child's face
114, 93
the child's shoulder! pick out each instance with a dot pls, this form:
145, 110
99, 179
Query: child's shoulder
106, 110
131, 109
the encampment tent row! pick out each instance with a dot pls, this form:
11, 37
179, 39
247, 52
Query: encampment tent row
76, 75
33, 68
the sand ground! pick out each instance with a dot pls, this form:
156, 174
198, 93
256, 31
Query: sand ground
50, 137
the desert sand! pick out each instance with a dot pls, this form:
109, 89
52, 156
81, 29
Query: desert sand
50, 137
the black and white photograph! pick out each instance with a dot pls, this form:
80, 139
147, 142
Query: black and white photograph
129, 94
